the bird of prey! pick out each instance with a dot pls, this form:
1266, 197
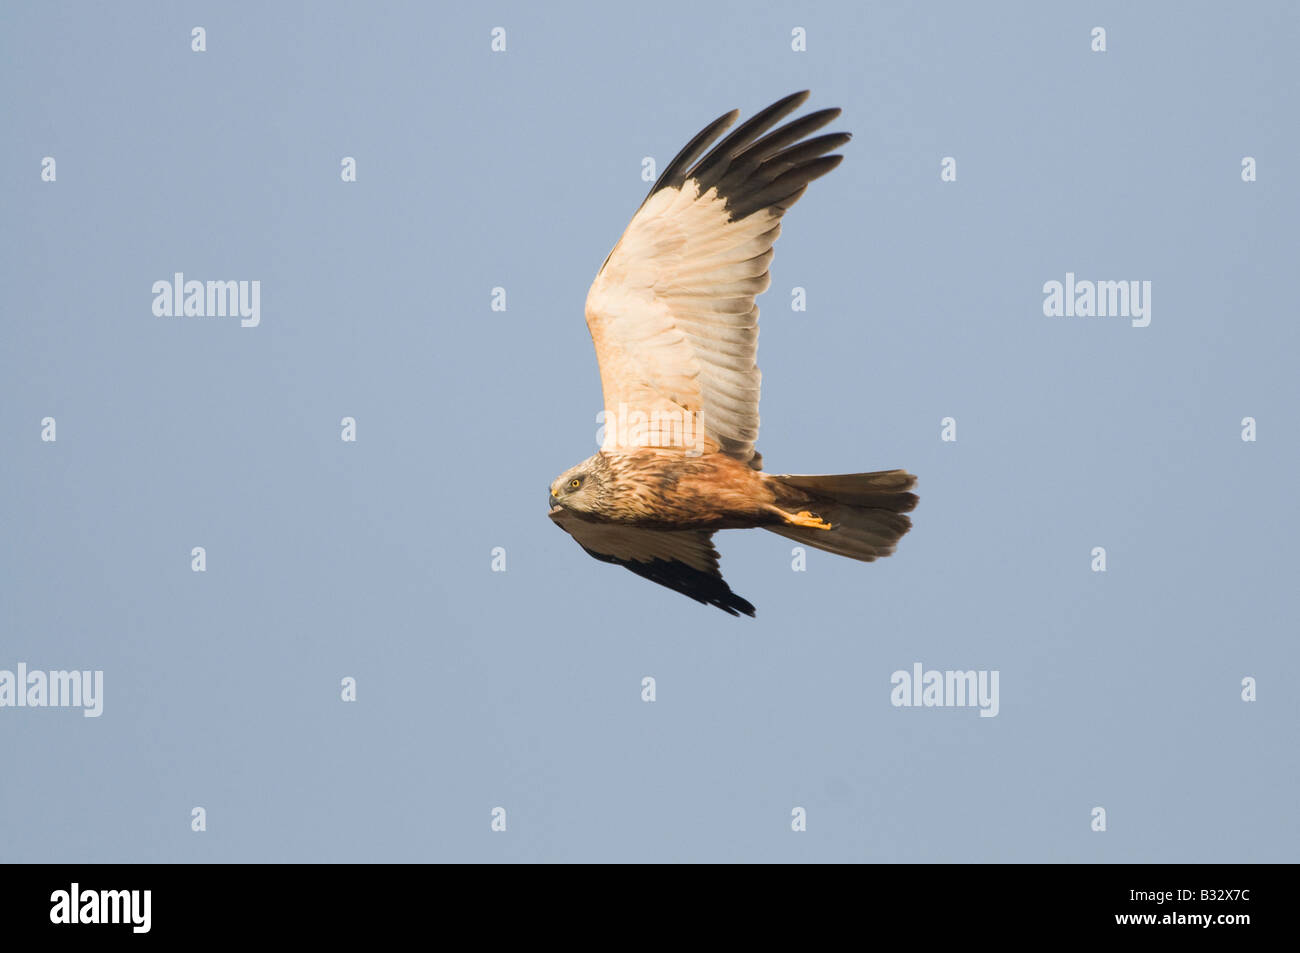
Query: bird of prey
672, 315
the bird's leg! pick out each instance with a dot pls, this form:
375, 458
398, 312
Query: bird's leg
802, 518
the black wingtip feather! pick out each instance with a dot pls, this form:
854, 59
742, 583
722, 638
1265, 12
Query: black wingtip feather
783, 191
713, 166
675, 173
790, 133
757, 167
703, 587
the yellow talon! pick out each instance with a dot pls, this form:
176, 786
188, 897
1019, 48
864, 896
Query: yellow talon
806, 519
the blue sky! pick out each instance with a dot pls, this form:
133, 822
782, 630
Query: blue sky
522, 689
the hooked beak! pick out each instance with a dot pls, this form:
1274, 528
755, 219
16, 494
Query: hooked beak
553, 501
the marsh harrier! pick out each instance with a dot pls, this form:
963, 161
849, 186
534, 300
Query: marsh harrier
673, 319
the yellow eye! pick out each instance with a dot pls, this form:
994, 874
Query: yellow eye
574, 484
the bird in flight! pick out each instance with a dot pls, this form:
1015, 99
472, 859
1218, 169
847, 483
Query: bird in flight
673, 318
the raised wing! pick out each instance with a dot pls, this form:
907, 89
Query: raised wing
672, 310
682, 560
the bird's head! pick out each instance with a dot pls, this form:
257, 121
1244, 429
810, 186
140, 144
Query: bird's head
582, 488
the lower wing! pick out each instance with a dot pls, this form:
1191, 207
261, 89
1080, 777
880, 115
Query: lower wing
683, 560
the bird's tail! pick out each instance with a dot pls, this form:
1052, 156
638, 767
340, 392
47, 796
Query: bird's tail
866, 511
